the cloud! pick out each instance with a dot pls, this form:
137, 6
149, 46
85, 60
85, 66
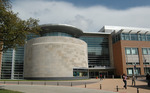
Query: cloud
89, 19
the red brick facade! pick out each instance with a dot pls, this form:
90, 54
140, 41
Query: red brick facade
119, 55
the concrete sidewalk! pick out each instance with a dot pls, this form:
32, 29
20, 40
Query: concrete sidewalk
51, 89
111, 84
107, 86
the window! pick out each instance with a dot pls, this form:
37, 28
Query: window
131, 51
57, 34
148, 37
136, 71
134, 51
143, 37
134, 37
146, 70
129, 71
144, 51
125, 36
128, 51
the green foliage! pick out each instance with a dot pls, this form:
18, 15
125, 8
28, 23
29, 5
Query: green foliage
13, 30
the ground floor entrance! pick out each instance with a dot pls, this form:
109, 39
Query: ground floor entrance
99, 73
93, 73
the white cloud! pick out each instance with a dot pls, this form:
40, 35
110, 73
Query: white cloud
85, 18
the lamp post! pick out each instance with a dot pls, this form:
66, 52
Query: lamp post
145, 67
135, 70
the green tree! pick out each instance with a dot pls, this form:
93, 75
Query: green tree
13, 30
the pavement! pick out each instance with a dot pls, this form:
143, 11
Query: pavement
97, 86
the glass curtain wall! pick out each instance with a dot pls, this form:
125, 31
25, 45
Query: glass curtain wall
7, 64
98, 51
18, 63
131, 36
12, 62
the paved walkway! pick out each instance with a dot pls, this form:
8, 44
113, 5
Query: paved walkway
51, 89
110, 85
107, 86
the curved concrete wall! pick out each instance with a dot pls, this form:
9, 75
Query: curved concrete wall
54, 56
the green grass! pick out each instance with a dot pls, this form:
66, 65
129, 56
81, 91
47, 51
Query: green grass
8, 91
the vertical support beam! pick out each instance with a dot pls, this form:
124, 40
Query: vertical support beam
110, 50
141, 60
88, 73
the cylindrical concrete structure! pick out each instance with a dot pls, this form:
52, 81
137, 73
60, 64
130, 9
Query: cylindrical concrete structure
54, 57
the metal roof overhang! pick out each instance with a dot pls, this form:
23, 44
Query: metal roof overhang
61, 28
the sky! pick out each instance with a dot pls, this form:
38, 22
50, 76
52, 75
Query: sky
87, 15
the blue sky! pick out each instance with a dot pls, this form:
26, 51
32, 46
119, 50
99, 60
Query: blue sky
115, 4
87, 15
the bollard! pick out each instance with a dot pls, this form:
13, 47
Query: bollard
137, 90
31, 83
71, 84
4, 82
57, 84
117, 88
113, 76
18, 82
100, 86
45, 83
85, 85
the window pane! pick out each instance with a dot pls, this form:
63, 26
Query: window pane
149, 51
134, 37
144, 51
134, 51
127, 37
128, 51
148, 37
129, 71
143, 38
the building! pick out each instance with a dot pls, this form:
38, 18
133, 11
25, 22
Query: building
66, 52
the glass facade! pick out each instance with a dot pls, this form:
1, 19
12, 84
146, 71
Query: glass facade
57, 34
7, 64
13, 60
130, 36
18, 63
12, 63
98, 56
98, 51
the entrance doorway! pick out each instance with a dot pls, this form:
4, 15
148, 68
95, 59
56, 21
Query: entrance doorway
94, 74
103, 73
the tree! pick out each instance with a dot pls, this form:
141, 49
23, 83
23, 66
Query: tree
13, 30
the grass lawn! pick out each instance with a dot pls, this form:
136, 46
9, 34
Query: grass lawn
8, 91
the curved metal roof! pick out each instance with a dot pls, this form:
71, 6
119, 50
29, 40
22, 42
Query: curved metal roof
46, 28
